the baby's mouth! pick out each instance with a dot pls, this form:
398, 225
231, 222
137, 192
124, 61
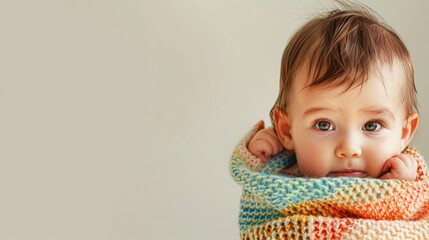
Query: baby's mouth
347, 173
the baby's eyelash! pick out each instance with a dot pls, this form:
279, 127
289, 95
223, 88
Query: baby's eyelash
316, 126
373, 126
383, 124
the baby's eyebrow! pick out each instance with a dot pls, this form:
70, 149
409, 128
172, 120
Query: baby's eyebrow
318, 109
382, 111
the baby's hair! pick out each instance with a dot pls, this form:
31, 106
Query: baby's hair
344, 47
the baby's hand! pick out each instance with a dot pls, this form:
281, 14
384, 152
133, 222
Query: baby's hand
401, 167
265, 144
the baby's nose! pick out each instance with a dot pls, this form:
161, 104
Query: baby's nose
349, 148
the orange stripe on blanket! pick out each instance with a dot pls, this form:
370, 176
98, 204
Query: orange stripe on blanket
326, 228
407, 204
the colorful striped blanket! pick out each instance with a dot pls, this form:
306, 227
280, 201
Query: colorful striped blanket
275, 206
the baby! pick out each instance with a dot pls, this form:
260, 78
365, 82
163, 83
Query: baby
347, 101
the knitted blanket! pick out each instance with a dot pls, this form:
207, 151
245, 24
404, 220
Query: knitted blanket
275, 206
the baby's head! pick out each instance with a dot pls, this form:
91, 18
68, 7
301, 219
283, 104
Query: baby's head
347, 99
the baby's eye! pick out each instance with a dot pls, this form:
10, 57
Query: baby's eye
372, 126
324, 126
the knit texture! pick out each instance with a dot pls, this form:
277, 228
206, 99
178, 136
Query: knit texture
275, 206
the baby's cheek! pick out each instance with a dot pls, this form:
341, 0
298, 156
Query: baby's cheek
376, 157
312, 162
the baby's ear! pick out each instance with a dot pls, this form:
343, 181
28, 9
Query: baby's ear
409, 128
283, 128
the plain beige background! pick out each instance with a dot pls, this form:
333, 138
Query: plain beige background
118, 117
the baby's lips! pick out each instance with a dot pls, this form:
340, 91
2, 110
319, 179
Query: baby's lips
348, 173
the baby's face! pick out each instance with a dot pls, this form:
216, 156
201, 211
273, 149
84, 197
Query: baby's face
350, 133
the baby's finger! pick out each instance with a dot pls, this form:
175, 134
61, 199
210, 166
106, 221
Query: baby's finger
263, 149
408, 160
274, 140
267, 156
397, 163
387, 165
387, 175
262, 157
257, 150
272, 132
404, 158
276, 144
390, 167
386, 172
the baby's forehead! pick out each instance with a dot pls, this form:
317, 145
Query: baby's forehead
383, 87
309, 76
